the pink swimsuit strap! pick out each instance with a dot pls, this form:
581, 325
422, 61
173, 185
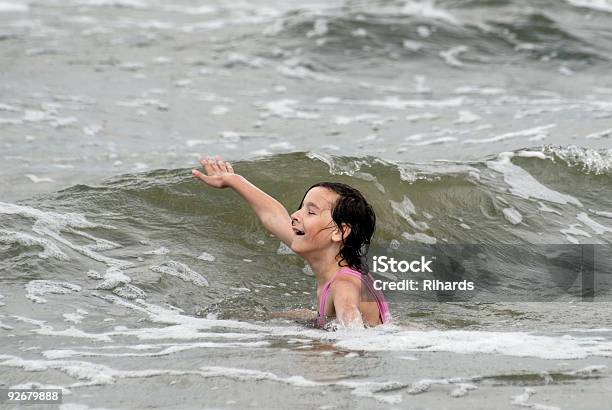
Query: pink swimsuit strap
383, 307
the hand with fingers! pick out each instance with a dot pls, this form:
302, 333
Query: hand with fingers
217, 172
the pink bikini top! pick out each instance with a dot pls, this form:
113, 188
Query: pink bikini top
368, 282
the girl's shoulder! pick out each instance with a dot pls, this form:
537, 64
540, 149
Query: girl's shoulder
347, 274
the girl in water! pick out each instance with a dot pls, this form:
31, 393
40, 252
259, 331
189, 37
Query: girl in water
331, 230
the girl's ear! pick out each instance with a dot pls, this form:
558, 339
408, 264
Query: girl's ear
341, 232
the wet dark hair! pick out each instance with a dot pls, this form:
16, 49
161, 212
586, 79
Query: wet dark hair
352, 209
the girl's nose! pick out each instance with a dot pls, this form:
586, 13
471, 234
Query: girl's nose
294, 218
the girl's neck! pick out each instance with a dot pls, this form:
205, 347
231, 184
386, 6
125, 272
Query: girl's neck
324, 270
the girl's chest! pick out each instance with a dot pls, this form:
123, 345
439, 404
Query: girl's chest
325, 303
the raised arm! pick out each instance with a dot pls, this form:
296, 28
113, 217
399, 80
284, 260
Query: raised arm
272, 214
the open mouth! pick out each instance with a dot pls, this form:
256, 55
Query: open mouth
298, 232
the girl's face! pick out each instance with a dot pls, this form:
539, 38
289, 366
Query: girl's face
312, 224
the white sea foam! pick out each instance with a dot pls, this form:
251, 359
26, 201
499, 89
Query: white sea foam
10, 121
63, 122
383, 338
372, 119
428, 10
91, 374
450, 55
466, 117
135, 4
206, 257
36, 179
599, 5
197, 10
462, 385
129, 291
530, 132
112, 278
47, 330
164, 351
601, 213
600, 134
598, 228
519, 344
524, 185
181, 271
522, 400
590, 160
75, 317
92, 130
423, 116
405, 209
420, 237
572, 239
285, 109
6, 7
413, 45
7, 107
234, 59
573, 230
439, 140
219, 110
532, 154
372, 389
522, 113
38, 386
193, 142
400, 104
319, 28
162, 250
3, 326
51, 224
37, 288
512, 215
179, 328
478, 90
50, 250
79, 406
144, 102
293, 68
462, 389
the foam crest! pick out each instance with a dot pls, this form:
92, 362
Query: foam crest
587, 159
524, 185
52, 224
50, 250
37, 288
181, 271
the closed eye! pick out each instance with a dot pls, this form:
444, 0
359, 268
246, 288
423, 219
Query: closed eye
311, 213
